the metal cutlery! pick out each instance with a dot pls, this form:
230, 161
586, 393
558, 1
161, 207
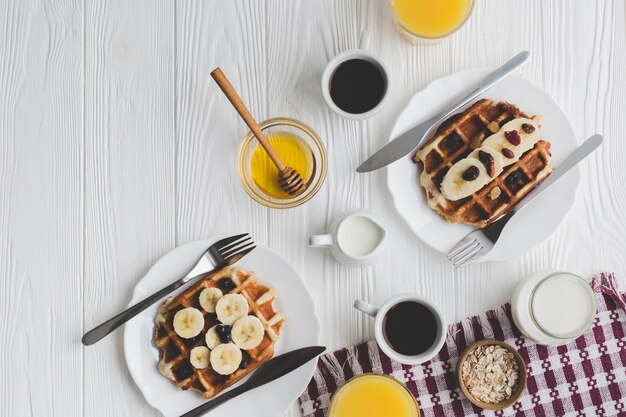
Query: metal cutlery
480, 242
412, 138
222, 253
268, 372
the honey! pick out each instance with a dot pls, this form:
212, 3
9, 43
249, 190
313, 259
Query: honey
431, 19
373, 395
293, 152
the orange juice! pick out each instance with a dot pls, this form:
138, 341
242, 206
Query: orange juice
430, 18
373, 395
293, 152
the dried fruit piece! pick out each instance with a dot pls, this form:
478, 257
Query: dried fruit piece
471, 173
528, 128
487, 159
508, 153
477, 141
513, 137
495, 192
493, 127
491, 169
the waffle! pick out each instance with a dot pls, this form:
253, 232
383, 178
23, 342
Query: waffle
174, 350
454, 140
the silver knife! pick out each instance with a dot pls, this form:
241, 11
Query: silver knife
412, 138
268, 372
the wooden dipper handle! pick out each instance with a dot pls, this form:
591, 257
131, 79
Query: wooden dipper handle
243, 111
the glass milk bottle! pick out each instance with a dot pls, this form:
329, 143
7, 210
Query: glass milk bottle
553, 308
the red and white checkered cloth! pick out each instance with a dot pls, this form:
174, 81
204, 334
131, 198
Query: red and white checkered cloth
586, 377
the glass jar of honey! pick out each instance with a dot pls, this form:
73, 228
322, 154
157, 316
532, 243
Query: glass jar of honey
298, 147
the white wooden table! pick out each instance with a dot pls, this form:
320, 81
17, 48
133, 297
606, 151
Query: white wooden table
116, 146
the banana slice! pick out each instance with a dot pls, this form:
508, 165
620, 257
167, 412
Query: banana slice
459, 183
212, 339
225, 358
199, 357
188, 322
528, 132
455, 187
208, 298
247, 332
231, 307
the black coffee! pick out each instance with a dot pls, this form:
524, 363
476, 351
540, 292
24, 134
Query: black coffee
357, 86
410, 328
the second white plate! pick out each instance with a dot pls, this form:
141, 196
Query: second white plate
301, 329
526, 230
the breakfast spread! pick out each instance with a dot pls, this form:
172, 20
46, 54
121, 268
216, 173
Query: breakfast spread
482, 162
479, 160
217, 331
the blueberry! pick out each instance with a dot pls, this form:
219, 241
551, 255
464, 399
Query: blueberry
516, 177
453, 140
226, 284
223, 332
245, 360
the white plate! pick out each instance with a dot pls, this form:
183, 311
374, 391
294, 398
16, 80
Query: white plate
301, 329
533, 225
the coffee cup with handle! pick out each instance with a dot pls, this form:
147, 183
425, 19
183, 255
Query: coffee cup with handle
376, 65
422, 321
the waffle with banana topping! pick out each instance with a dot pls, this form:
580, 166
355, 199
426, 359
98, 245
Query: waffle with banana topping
208, 360
480, 163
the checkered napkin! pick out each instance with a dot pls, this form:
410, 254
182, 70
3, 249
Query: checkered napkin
586, 377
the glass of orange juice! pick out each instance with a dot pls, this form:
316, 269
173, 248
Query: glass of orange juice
428, 21
373, 395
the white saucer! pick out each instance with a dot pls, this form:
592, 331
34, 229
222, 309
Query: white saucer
301, 329
531, 226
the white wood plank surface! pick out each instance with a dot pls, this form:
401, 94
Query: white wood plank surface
41, 224
116, 146
129, 213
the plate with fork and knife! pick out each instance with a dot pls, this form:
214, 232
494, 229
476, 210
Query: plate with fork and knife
282, 378
516, 232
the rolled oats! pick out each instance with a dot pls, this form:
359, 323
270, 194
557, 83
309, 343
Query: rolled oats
490, 373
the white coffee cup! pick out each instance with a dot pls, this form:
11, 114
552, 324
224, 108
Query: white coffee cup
360, 53
379, 315
355, 238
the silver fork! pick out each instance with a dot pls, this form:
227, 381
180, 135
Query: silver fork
480, 242
222, 253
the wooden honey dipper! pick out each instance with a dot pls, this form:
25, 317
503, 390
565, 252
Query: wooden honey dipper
289, 179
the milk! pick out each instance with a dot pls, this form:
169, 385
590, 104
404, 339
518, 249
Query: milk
359, 236
562, 305
553, 308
